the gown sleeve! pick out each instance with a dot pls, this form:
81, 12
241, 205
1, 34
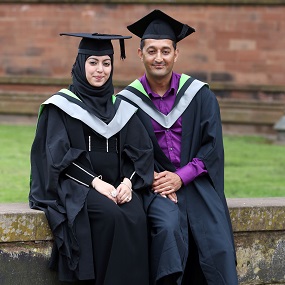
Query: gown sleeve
137, 155
80, 173
51, 154
211, 151
50, 189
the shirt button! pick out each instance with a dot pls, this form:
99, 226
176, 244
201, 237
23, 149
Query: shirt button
167, 130
171, 148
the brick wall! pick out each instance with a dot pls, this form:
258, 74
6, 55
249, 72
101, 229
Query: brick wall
239, 44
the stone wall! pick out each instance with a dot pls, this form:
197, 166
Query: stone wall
259, 232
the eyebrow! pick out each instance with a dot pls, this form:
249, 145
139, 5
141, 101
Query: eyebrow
154, 47
95, 58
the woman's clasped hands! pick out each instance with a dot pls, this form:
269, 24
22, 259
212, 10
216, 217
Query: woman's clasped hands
120, 195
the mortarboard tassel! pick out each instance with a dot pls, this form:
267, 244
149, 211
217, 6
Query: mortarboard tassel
122, 47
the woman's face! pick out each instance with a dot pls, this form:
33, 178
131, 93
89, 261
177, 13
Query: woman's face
98, 69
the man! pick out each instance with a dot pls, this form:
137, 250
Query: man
191, 240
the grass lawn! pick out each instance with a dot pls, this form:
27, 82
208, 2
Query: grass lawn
15, 144
254, 167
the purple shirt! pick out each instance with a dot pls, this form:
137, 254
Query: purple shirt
170, 139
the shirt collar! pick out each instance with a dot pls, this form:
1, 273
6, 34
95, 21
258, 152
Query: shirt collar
171, 91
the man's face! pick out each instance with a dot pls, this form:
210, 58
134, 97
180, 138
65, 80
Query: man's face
158, 57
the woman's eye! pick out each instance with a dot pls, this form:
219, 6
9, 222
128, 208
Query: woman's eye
107, 64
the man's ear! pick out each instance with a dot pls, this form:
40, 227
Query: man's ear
140, 54
176, 54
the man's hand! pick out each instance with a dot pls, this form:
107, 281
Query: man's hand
173, 197
166, 183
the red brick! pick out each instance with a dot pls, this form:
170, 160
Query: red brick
245, 42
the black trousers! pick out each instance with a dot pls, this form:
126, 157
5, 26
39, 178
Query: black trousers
168, 245
193, 274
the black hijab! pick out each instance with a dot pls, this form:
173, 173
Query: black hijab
97, 99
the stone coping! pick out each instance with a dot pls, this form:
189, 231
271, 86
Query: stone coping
63, 82
257, 214
20, 223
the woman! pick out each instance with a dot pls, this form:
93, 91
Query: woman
90, 160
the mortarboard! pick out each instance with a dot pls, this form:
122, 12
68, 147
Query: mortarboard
98, 44
158, 25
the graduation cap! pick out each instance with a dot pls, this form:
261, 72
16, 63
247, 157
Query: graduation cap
98, 44
158, 25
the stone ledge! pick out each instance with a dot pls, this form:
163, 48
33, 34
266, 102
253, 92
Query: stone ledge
258, 224
257, 214
233, 111
20, 223
251, 112
64, 81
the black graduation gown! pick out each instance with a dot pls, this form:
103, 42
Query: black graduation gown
202, 203
81, 219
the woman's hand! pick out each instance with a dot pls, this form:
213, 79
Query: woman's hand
105, 188
124, 191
